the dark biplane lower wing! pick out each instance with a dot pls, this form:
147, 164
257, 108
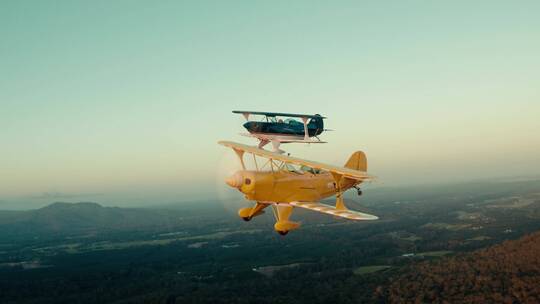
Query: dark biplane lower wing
273, 114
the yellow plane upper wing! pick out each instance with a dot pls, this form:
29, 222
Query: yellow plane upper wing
345, 172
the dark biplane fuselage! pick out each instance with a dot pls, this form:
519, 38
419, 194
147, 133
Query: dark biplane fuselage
288, 127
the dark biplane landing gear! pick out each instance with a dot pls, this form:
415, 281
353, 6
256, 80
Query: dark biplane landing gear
358, 191
284, 233
247, 218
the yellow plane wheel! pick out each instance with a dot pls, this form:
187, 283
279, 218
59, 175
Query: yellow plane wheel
246, 218
281, 232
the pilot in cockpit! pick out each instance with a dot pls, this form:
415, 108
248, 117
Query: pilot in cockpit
310, 170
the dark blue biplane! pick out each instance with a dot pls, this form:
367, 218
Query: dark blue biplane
273, 128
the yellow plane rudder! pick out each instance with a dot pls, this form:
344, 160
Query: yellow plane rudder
357, 161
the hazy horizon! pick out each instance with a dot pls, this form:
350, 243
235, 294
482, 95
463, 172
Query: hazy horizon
222, 196
125, 101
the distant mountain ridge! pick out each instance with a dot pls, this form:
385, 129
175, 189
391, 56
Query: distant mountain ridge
72, 218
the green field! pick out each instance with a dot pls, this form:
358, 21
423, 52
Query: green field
479, 238
74, 248
435, 253
270, 270
370, 269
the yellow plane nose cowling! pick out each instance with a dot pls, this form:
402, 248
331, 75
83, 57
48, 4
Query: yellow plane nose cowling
236, 180
255, 185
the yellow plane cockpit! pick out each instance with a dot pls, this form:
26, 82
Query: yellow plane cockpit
310, 170
300, 170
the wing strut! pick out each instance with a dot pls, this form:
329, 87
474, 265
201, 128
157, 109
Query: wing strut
306, 133
275, 145
340, 205
240, 154
255, 161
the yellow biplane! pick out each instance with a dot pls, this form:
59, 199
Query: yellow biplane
285, 182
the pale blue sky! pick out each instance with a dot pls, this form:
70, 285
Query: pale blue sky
128, 98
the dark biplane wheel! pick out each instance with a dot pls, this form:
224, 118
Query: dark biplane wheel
359, 192
247, 218
283, 232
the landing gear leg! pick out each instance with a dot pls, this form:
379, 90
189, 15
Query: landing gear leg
275, 145
262, 143
248, 213
283, 225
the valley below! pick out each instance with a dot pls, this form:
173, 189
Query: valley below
203, 253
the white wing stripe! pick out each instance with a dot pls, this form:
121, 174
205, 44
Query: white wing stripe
348, 214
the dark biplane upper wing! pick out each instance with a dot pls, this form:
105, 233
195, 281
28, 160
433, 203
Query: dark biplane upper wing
273, 114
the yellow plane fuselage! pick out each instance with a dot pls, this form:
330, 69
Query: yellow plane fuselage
286, 186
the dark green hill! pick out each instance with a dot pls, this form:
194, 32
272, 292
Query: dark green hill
76, 218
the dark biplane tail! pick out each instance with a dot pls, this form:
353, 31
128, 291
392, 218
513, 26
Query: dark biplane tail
317, 124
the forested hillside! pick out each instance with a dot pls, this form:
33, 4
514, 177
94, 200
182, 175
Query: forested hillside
505, 273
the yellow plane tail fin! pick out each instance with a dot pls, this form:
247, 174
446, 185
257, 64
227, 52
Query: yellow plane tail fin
357, 161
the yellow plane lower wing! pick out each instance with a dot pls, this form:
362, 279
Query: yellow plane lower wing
346, 213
